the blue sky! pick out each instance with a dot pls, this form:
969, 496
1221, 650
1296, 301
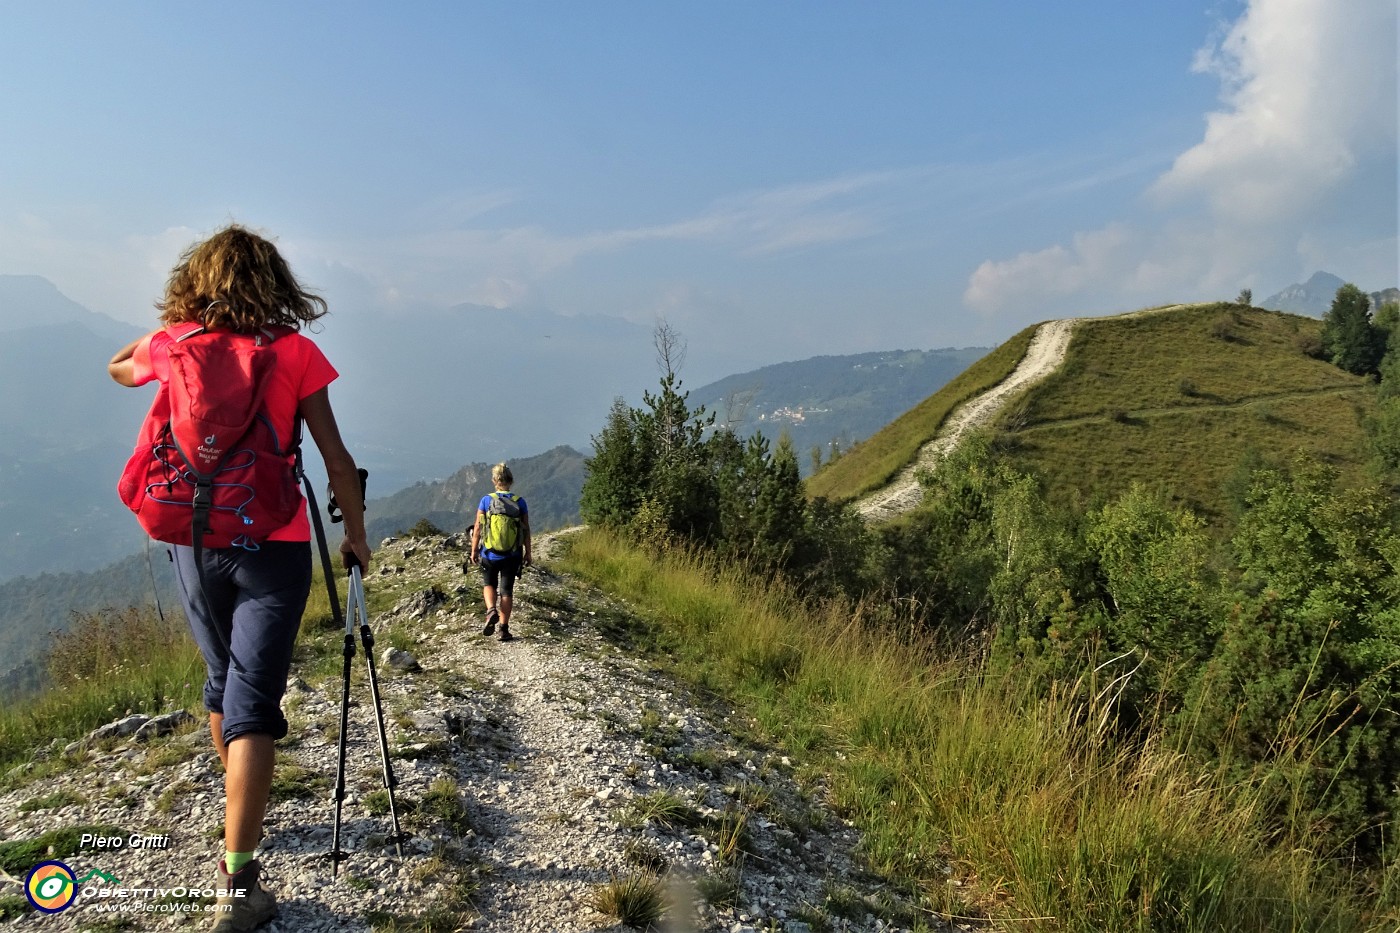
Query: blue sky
793, 178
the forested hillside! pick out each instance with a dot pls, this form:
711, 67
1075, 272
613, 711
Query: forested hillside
33, 608
827, 403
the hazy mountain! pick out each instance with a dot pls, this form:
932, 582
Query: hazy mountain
422, 394
550, 482
831, 398
33, 301
1314, 297
67, 432
419, 395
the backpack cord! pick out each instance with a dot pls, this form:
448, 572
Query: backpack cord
155, 590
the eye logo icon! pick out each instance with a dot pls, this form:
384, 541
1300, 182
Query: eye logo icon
51, 887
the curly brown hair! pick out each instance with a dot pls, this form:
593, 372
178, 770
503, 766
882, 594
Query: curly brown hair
237, 280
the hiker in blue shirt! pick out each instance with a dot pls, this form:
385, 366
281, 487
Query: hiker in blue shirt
501, 547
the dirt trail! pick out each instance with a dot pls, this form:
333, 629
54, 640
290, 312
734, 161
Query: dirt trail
1044, 355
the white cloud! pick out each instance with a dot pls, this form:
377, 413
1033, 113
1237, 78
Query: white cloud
498, 292
1306, 90
1055, 271
1308, 95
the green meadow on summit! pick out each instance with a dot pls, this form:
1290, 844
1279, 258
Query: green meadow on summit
1176, 401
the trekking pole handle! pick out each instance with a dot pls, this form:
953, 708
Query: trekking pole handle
333, 507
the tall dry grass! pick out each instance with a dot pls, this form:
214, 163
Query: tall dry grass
108, 664
995, 799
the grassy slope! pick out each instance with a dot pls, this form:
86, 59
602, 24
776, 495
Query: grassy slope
1175, 399
1178, 399
873, 463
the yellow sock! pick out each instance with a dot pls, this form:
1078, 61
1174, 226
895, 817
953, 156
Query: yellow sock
234, 861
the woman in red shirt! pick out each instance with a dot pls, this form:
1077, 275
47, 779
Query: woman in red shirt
246, 611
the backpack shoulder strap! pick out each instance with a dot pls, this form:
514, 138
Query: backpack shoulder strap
180, 332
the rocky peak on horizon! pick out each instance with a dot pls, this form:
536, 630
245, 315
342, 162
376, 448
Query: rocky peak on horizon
1314, 297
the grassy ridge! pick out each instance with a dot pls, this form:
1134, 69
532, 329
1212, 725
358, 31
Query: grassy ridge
1177, 399
1227, 354
1174, 399
1193, 453
874, 462
1042, 817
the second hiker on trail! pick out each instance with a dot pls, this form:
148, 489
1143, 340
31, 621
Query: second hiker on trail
500, 546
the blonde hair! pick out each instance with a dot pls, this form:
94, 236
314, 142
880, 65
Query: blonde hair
501, 475
237, 280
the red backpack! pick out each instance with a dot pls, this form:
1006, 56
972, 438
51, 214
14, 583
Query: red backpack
208, 468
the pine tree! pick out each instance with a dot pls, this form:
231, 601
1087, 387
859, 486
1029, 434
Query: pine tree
1349, 338
617, 473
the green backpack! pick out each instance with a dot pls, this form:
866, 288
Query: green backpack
502, 524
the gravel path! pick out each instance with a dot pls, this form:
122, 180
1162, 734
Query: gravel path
530, 774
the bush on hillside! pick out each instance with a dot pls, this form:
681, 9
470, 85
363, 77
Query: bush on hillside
1307, 665
667, 476
1275, 654
424, 528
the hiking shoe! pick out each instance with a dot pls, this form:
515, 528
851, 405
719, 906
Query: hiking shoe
243, 903
505, 634
491, 616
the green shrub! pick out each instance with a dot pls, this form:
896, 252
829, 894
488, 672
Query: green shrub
424, 528
1300, 686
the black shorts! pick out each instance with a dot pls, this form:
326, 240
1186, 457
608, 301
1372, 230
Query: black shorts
499, 573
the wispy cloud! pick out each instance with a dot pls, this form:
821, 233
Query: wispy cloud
501, 266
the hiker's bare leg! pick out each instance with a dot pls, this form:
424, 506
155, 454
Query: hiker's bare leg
216, 732
504, 607
246, 788
488, 593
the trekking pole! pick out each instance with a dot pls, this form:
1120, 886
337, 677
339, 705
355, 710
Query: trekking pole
356, 606
341, 621
336, 854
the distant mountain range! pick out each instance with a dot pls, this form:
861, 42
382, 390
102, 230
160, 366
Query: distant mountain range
831, 399
1314, 297
67, 432
419, 396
